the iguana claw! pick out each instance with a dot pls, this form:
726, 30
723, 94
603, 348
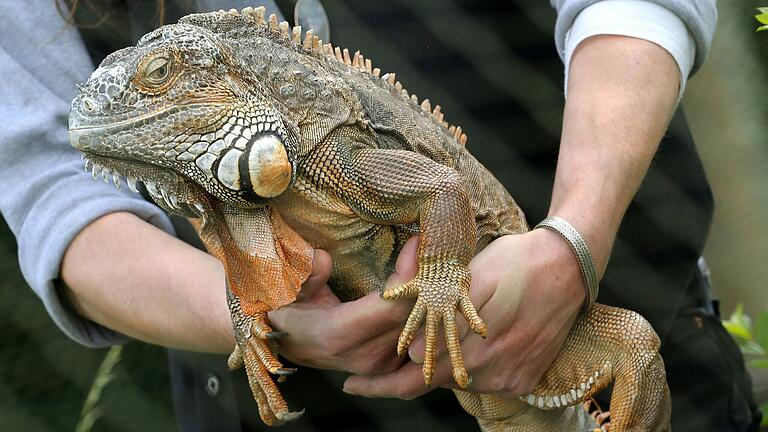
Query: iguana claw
274, 335
287, 417
235, 360
285, 371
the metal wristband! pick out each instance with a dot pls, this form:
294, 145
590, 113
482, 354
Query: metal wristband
583, 256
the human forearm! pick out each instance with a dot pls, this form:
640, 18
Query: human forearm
621, 94
127, 275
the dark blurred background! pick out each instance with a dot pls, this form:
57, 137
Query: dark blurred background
45, 377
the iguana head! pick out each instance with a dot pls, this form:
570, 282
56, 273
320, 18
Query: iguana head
180, 112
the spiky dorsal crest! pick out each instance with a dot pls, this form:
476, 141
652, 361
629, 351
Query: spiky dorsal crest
226, 21
219, 22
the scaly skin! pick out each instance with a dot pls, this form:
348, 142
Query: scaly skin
275, 144
606, 345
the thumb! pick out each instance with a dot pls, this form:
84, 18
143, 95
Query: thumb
407, 264
315, 288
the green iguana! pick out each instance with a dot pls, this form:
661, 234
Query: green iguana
276, 143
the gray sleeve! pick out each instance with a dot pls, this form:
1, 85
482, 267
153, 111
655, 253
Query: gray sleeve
700, 16
45, 196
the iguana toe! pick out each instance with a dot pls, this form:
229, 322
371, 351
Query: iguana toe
272, 407
470, 314
460, 374
235, 360
411, 326
406, 290
430, 350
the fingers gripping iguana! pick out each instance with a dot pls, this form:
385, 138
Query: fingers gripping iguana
275, 143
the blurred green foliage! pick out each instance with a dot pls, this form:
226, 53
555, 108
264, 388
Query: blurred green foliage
762, 17
91, 410
752, 338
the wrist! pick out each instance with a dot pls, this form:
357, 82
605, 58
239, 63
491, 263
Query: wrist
581, 252
553, 256
597, 227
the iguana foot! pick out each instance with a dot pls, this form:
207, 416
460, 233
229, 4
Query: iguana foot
440, 288
252, 350
260, 361
602, 418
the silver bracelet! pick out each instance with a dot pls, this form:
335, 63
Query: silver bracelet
583, 256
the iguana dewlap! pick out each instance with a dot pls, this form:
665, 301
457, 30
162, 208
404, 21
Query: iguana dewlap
277, 143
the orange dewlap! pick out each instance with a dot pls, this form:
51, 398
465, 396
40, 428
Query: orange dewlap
269, 273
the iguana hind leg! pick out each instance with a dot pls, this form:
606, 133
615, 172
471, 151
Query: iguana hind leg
265, 263
608, 345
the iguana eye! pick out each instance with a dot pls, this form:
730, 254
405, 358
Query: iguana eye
158, 70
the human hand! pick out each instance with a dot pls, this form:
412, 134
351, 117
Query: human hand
528, 290
358, 336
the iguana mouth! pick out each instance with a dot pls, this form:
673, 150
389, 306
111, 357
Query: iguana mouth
166, 187
81, 132
116, 124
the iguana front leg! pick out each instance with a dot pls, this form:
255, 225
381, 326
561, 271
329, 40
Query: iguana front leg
252, 350
389, 187
265, 263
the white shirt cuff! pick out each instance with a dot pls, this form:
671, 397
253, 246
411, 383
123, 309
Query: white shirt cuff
634, 18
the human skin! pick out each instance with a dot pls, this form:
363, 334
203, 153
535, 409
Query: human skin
136, 279
129, 276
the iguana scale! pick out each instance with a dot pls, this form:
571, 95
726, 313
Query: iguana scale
276, 143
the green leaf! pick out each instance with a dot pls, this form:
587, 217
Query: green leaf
90, 412
751, 348
761, 329
762, 17
737, 330
739, 325
740, 317
761, 363
764, 410
762, 28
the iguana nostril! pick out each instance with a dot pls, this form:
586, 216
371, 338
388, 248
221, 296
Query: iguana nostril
88, 105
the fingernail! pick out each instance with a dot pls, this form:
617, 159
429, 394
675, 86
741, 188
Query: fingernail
348, 391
